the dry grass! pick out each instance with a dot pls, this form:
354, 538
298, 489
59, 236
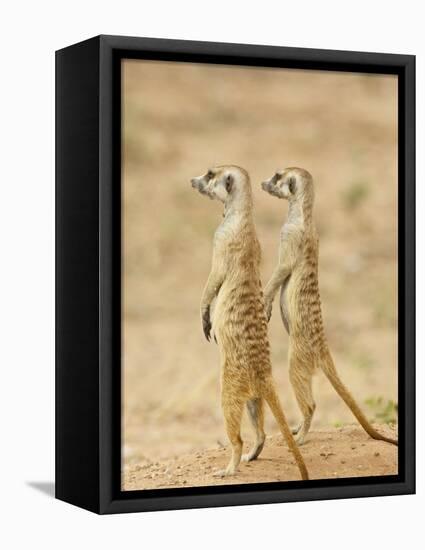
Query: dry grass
179, 120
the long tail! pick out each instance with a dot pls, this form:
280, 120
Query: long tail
328, 367
273, 402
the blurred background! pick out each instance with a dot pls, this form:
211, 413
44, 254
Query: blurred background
180, 119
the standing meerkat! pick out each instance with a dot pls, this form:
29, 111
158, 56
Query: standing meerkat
297, 276
238, 323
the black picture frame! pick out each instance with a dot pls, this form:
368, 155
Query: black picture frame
88, 271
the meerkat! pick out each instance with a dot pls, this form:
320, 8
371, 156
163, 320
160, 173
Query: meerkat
297, 277
238, 322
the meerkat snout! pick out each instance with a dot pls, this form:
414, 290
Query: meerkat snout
201, 184
276, 186
198, 183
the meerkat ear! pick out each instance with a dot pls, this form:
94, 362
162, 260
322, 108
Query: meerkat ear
291, 185
229, 183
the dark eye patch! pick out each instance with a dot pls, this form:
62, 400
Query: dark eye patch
210, 174
229, 183
291, 185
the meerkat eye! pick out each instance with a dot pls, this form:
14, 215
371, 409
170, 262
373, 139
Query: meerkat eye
210, 174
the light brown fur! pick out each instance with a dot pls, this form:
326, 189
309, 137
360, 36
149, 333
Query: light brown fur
239, 323
297, 276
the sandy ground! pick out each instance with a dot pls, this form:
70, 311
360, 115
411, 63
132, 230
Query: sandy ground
329, 454
179, 120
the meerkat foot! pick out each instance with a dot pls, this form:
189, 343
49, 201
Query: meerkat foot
296, 429
255, 409
254, 453
224, 473
300, 437
247, 457
300, 440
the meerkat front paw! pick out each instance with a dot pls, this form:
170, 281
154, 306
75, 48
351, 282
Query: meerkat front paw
268, 305
206, 324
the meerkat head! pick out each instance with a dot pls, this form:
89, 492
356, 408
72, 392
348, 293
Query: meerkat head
290, 184
223, 183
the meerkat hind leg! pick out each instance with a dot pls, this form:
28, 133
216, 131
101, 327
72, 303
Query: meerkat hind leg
232, 418
301, 380
255, 408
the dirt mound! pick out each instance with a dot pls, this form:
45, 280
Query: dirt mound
334, 453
